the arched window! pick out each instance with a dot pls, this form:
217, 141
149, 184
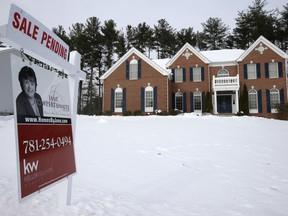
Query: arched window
149, 99
179, 101
118, 99
253, 101
223, 73
197, 101
133, 70
274, 99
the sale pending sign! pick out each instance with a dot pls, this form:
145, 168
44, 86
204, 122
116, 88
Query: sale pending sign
30, 34
44, 139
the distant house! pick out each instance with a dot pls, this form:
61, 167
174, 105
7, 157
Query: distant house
137, 83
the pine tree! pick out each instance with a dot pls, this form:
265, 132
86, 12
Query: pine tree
244, 103
165, 39
215, 34
185, 36
208, 103
282, 29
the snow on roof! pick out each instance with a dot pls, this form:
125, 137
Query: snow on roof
162, 63
225, 55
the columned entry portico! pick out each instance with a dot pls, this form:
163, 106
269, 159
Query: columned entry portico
225, 94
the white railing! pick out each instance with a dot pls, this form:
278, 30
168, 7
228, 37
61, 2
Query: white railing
225, 82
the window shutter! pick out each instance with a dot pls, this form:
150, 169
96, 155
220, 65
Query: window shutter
184, 102
184, 74
203, 101
142, 99
259, 93
127, 70
268, 100
245, 71
139, 68
173, 101
202, 74
112, 100
191, 102
258, 70
191, 74
266, 70
282, 100
155, 97
280, 69
173, 75
124, 100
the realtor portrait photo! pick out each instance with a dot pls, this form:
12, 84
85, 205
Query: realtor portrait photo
28, 102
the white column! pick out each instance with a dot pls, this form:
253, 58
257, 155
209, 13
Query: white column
237, 101
215, 102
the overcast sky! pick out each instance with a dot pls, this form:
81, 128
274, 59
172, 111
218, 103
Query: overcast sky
179, 14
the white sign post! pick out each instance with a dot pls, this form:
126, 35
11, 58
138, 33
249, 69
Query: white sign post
39, 152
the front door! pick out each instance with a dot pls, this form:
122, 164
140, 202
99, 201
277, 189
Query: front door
224, 104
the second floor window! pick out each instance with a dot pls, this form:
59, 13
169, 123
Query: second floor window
251, 71
178, 75
197, 74
133, 69
273, 70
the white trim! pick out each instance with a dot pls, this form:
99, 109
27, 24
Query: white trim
141, 56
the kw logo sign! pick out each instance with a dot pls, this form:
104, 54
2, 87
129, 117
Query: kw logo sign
30, 167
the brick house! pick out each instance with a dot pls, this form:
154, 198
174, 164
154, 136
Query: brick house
137, 83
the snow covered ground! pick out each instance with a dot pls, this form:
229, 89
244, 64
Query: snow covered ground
183, 165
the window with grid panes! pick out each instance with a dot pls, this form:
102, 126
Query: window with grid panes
251, 71
273, 70
252, 100
149, 99
197, 74
178, 75
133, 70
197, 101
274, 99
179, 101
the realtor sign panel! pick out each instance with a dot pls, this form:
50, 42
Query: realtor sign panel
30, 34
43, 116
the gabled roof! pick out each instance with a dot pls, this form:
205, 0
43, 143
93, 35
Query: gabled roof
133, 50
267, 43
190, 48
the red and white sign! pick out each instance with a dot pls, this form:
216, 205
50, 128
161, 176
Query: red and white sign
30, 34
44, 130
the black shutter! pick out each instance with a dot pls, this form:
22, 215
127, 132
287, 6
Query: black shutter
280, 69
282, 100
155, 98
266, 70
112, 99
127, 70
203, 101
268, 101
142, 99
191, 74
184, 102
245, 71
139, 69
202, 74
258, 70
184, 74
259, 93
191, 102
124, 100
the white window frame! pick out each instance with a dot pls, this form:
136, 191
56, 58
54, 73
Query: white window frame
118, 100
197, 99
223, 73
197, 74
149, 99
179, 101
251, 71
273, 70
253, 101
178, 75
133, 69
274, 99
